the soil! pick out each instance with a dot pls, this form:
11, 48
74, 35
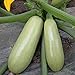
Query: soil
71, 3
18, 6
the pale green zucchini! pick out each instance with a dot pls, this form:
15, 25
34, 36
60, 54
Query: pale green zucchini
53, 45
25, 46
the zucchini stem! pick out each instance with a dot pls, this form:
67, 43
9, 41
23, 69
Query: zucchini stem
24, 16
43, 59
67, 27
4, 12
56, 12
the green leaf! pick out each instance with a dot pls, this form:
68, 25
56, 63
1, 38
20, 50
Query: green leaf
3, 68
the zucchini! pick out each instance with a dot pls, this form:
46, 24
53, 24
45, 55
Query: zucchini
53, 45
25, 46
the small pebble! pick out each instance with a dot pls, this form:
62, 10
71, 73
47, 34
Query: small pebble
10, 73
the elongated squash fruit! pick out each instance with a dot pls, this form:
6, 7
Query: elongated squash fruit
25, 46
53, 45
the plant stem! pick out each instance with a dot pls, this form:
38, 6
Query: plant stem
4, 12
24, 16
43, 59
3, 68
68, 28
56, 12
44, 70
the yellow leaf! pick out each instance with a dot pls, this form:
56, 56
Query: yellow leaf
7, 4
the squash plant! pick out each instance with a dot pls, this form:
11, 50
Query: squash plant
35, 20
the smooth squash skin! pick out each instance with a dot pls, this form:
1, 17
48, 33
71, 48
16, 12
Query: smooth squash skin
53, 46
25, 46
